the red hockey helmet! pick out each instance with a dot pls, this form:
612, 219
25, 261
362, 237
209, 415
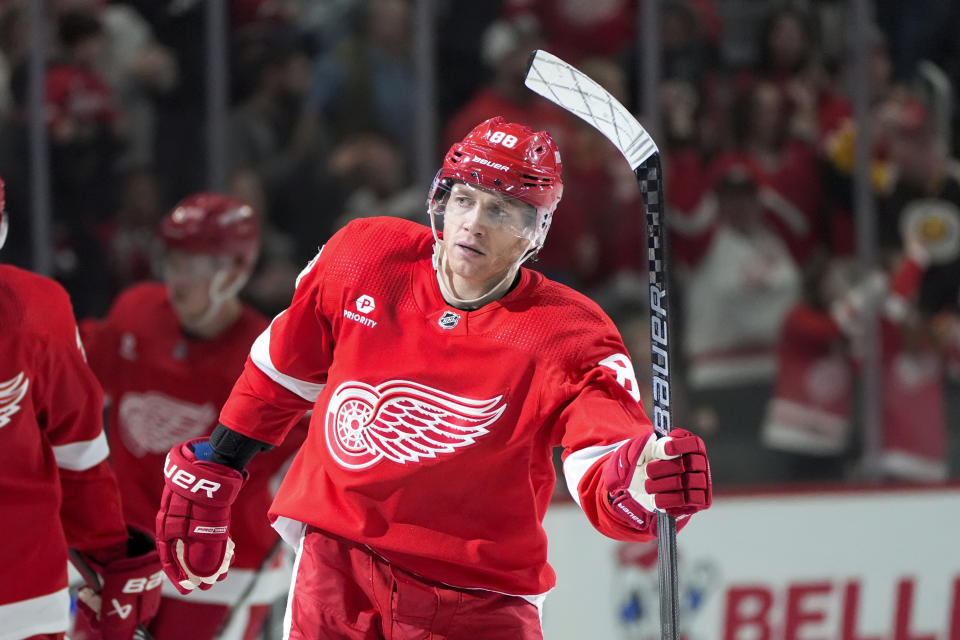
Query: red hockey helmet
511, 159
3, 213
213, 224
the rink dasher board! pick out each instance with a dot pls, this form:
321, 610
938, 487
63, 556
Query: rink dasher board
766, 567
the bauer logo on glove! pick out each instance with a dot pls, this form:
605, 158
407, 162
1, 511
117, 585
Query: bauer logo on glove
186, 480
193, 524
122, 590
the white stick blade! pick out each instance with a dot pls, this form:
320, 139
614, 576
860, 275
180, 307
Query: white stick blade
573, 90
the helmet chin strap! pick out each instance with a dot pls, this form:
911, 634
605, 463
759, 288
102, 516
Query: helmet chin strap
220, 294
495, 293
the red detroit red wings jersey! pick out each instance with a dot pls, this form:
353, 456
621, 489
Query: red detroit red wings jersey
432, 427
55, 485
165, 388
810, 409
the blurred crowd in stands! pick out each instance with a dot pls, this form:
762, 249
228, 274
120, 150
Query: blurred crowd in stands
757, 132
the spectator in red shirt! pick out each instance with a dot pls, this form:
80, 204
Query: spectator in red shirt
788, 168
598, 246
579, 30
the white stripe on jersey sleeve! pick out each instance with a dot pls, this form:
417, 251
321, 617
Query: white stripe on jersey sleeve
83, 352
78, 456
579, 462
41, 615
260, 355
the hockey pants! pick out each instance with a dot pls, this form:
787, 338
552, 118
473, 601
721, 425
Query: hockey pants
342, 591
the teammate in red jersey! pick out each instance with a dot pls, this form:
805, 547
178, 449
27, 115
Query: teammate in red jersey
440, 374
167, 355
56, 488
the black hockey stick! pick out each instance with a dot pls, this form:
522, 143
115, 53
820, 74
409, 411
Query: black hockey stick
92, 579
569, 88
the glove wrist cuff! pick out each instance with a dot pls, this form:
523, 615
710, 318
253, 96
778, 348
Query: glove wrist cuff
621, 505
100, 558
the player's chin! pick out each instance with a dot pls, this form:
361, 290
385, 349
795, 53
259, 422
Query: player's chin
188, 315
474, 266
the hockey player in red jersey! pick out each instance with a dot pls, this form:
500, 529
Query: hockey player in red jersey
440, 374
167, 355
56, 488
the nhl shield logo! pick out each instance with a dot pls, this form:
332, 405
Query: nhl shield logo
449, 319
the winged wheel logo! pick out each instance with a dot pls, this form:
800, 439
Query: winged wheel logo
11, 394
402, 421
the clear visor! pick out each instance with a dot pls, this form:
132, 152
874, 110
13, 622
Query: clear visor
459, 202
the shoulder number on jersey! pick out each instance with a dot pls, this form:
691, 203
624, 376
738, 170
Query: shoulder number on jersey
626, 377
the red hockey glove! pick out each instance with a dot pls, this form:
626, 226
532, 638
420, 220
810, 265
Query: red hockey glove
193, 523
130, 591
669, 474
